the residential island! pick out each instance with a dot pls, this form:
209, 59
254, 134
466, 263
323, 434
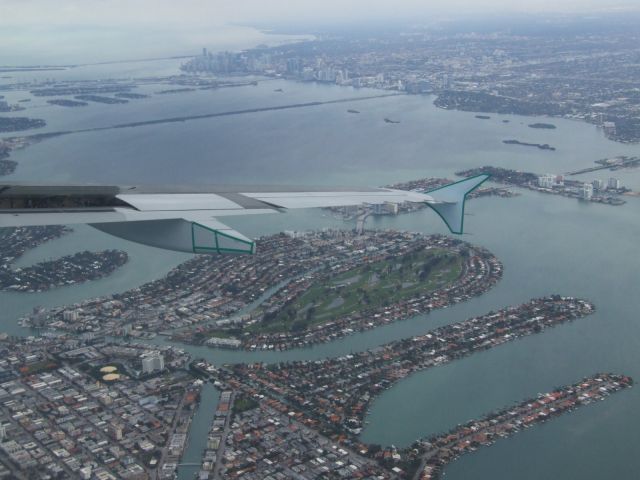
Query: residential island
597, 191
298, 290
65, 271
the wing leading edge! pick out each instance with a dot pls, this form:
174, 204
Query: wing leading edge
186, 218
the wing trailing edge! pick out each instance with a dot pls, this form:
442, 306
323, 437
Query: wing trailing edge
190, 235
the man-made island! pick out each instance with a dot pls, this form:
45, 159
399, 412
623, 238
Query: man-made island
541, 146
175, 90
14, 242
63, 102
7, 167
130, 95
84, 383
547, 126
101, 99
6, 107
596, 191
435, 453
300, 289
16, 124
322, 404
68, 270
71, 269
362, 212
7, 145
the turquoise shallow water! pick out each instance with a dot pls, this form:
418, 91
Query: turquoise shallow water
548, 245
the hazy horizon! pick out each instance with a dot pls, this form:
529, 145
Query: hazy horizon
74, 31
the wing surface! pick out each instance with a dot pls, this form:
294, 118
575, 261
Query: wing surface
186, 218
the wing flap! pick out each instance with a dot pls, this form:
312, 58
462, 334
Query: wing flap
172, 202
337, 199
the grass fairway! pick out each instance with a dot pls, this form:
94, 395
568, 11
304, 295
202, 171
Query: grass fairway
370, 286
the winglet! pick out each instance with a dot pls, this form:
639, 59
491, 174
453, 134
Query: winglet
450, 200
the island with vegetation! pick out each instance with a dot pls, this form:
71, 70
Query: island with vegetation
63, 102
266, 305
176, 90
7, 167
370, 286
547, 126
131, 95
17, 124
6, 107
100, 99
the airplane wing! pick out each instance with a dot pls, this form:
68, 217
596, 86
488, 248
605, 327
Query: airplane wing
186, 218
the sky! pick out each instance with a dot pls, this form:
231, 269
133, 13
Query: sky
58, 31
211, 12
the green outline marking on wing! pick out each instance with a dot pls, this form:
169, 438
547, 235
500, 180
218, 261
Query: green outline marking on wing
217, 248
451, 210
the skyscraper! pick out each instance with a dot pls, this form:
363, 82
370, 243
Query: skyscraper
613, 183
152, 362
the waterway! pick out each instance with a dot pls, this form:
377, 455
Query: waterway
547, 244
199, 431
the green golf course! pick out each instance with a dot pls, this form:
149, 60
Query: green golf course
369, 286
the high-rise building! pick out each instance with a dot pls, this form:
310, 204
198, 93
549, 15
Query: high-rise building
70, 316
293, 66
587, 191
152, 363
598, 185
546, 181
609, 128
115, 431
614, 184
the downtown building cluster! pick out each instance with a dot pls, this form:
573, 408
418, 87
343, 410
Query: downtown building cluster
62, 416
587, 77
